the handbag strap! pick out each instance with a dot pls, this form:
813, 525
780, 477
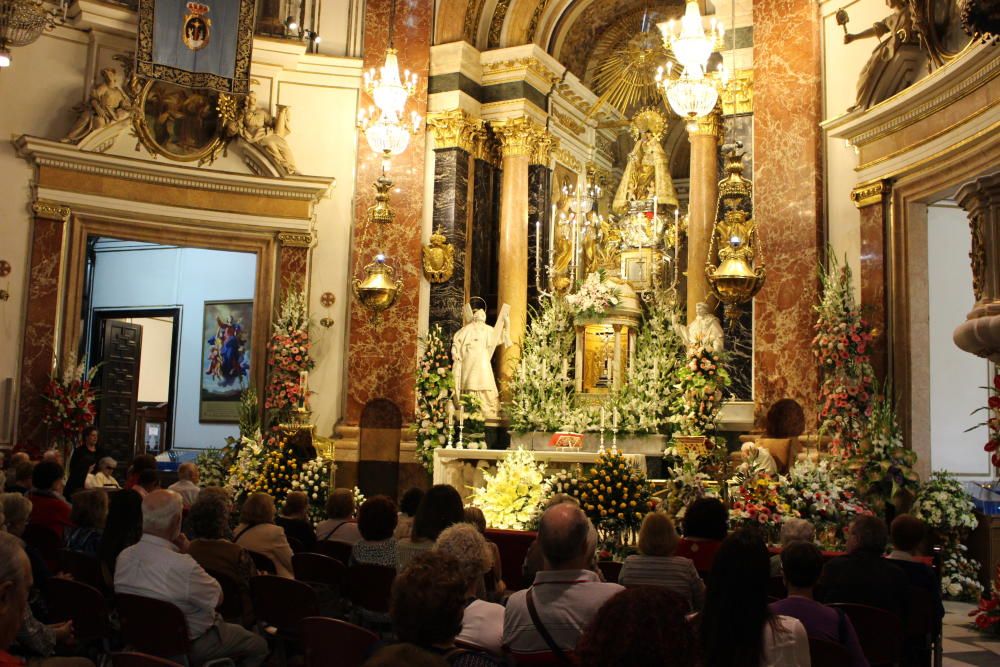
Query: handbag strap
336, 528
544, 632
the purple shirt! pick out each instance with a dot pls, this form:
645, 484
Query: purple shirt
822, 622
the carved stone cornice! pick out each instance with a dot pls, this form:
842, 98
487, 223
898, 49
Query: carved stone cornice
566, 158
575, 100
518, 136
869, 194
505, 68
454, 129
295, 239
51, 211
569, 122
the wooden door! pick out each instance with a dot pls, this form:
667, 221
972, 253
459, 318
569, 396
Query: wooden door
121, 345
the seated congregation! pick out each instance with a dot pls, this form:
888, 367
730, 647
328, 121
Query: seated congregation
143, 574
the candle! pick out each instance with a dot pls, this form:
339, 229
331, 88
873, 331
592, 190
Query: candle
602, 420
565, 369
614, 420
303, 386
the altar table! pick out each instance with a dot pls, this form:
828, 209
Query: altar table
463, 468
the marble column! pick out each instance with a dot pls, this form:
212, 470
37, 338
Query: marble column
382, 351
980, 333
42, 318
704, 192
516, 142
872, 201
788, 186
451, 209
539, 214
484, 233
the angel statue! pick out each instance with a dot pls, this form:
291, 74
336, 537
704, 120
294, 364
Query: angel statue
471, 351
901, 35
705, 331
108, 103
276, 143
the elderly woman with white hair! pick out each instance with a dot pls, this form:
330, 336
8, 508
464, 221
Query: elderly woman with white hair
103, 476
482, 621
792, 530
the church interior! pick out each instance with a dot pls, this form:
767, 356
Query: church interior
409, 243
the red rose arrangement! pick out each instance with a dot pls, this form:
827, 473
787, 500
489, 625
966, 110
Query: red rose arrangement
987, 614
70, 402
287, 358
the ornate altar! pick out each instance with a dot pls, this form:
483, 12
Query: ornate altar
605, 343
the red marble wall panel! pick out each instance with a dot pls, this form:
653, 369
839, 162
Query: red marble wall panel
873, 284
38, 348
787, 199
382, 351
293, 267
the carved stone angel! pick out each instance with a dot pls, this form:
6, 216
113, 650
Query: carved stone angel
256, 126
108, 103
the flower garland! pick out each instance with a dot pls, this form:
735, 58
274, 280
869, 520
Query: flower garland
948, 511
287, 357
69, 403
841, 346
594, 296
700, 386
511, 497
435, 384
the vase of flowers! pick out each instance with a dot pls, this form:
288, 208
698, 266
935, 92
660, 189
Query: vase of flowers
511, 497
69, 405
594, 297
949, 513
288, 359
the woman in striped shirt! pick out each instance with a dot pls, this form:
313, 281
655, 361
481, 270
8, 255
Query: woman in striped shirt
656, 564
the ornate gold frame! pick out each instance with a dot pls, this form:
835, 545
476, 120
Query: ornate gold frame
146, 138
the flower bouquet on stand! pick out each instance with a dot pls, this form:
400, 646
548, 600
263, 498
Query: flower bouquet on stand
949, 513
701, 384
511, 497
616, 496
435, 385
288, 360
884, 467
841, 347
69, 405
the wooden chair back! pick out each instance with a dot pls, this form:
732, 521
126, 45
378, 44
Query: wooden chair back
263, 563
336, 550
880, 633
329, 641
153, 626
76, 601
320, 569
823, 653
283, 603
369, 586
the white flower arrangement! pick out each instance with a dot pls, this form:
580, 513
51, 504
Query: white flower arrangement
313, 478
960, 575
944, 506
686, 482
510, 498
359, 498
247, 465
594, 296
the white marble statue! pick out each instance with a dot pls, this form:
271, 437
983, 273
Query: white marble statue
705, 330
471, 351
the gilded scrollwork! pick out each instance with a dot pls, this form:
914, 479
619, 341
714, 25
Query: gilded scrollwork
977, 256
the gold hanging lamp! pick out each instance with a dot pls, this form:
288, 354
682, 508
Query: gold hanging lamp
379, 288
735, 267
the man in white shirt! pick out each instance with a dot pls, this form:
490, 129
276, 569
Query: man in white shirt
565, 595
159, 567
187, 484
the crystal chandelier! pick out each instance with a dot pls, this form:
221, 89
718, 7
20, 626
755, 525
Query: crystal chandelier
690, 45
21, 23
385, 125
693, 91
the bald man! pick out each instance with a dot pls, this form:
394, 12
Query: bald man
187, 484
159, 567
550, 616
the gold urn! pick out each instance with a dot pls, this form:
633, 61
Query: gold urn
379, 289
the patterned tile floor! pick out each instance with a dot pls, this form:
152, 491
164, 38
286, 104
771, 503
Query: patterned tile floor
963, 645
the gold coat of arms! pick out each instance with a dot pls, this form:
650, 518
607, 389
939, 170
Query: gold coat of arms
439, 259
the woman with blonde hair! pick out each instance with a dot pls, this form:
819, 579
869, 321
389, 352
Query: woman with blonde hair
258, 533
656, 564
482, 622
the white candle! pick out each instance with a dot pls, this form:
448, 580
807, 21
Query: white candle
602, 419
565, 369
303, 385
614, 420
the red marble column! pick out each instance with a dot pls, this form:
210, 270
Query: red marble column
382, 351
874, 299
38, 349
788, 198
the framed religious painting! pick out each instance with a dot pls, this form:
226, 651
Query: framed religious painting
178, 123
225, 359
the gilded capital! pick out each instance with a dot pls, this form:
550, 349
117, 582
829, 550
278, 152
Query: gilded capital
50, 211
454, 129
543, 146
517, 136
295, 239
869, 194
708, 125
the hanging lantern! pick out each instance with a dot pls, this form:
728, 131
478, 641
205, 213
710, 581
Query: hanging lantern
379, 289
735, 268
